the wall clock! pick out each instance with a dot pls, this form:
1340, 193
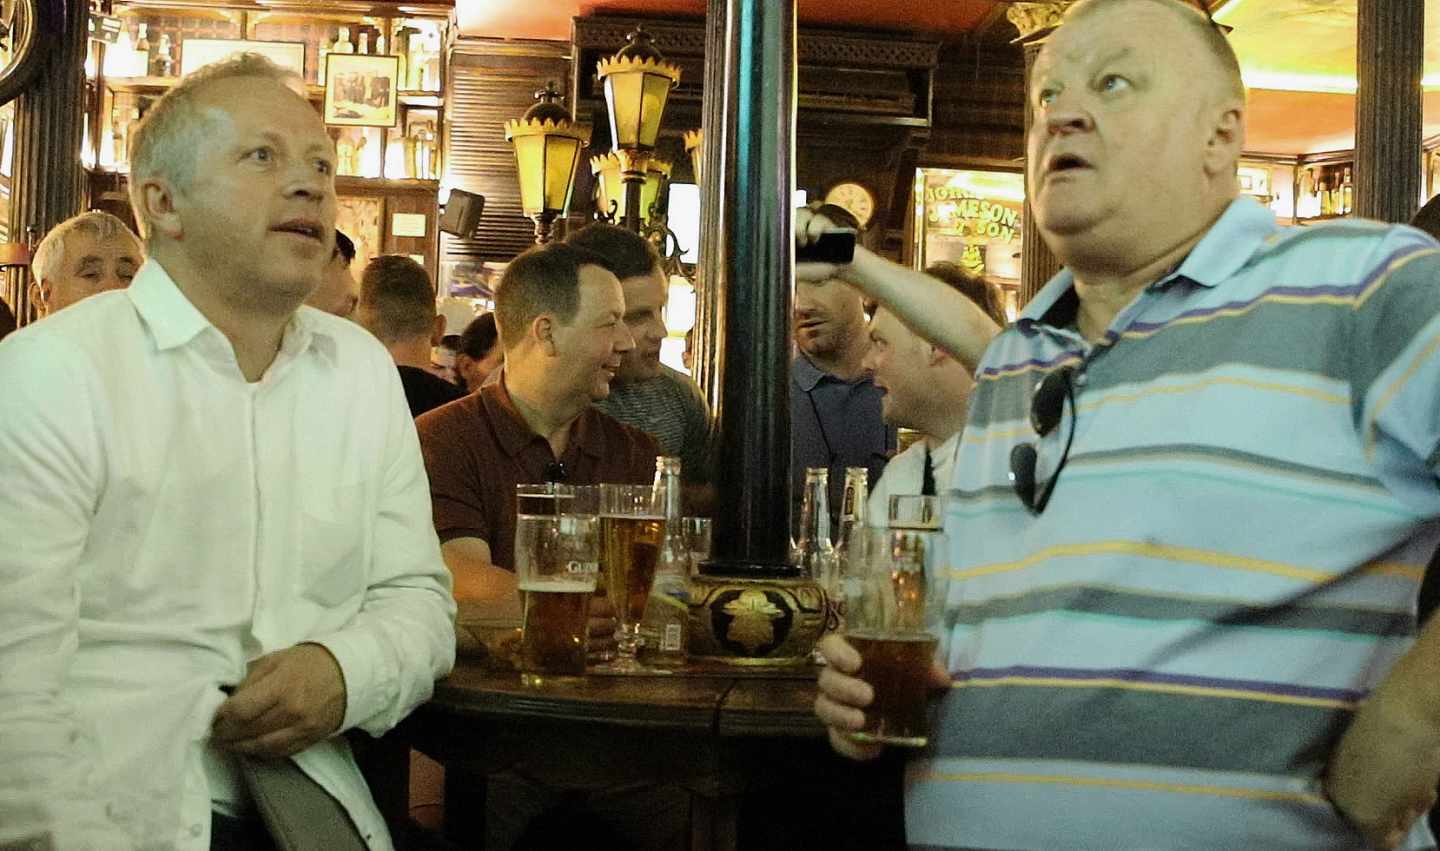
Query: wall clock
24, 25
853, 197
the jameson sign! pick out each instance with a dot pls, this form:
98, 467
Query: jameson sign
962, 214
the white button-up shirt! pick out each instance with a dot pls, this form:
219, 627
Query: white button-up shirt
162, 523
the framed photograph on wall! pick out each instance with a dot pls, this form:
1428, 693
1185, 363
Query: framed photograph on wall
362, 90
198, 52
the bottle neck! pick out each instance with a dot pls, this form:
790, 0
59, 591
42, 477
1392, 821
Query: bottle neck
815, 512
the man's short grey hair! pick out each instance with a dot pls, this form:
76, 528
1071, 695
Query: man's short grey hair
176, 127
1212, 38
50, 254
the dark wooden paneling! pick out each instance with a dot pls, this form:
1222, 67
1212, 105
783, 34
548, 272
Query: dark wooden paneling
492, 82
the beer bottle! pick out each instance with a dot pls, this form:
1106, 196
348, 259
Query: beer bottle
664, 629
814, 552
850, 546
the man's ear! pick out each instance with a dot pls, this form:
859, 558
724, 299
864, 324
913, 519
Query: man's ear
40, 294
542, 328
937, 356
437, 333
1227, 137
157, 201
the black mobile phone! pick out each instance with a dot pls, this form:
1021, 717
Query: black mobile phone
833, 246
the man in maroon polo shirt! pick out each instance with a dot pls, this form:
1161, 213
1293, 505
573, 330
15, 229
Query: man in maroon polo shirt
560, 311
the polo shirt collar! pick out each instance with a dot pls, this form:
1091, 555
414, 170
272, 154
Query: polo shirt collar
174, 322
1224, 250
808, 376
515, 434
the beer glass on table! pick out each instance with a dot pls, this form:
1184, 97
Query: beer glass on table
555, 562
632, 523
894, 620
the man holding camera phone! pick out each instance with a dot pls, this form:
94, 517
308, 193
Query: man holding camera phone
834, 406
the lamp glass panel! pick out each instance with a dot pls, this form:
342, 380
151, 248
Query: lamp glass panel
657, 92
530, 168
622, 97
612, 188
649, 191
562, 155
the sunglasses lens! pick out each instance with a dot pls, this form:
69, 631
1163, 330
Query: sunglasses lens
1049, 402
1022, 473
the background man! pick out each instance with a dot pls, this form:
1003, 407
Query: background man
217, 538
397, 305
84, 255
1206, 617
647, 394
924, 389
336, 293
479, 352
561, 316
834, 406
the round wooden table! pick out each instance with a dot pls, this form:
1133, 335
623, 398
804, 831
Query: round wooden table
715, 731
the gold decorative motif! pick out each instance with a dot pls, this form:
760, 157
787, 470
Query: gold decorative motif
754, 620
1036, 20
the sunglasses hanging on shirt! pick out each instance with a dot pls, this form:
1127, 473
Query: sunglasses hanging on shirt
1047, 409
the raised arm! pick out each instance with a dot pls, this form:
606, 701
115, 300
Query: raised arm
937, 312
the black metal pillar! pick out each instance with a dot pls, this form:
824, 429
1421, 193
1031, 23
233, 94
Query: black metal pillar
1390, 60
752, 529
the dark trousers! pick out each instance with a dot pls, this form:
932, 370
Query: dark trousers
233, 834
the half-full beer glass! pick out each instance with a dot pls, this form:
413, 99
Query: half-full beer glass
556, 564
632, 524
893, 619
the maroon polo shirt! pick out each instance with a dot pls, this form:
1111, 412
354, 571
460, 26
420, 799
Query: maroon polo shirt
477, 449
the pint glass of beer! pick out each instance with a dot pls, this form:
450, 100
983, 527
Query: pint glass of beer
893, 619
555, 562
632, 524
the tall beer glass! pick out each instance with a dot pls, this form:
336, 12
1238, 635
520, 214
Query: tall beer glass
894, 621
555, 563
632, 524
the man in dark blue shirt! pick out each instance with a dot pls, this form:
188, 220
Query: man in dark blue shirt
835, 417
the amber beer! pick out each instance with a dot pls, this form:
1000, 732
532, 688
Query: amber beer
557, 614
897, 667
630, 547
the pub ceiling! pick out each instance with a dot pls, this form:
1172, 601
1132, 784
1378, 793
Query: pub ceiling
1298, 56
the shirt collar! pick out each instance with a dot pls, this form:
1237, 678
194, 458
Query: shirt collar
1230, 243
175, 322
808, 376
515, 434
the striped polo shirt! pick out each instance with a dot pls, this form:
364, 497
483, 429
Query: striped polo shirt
1166, 657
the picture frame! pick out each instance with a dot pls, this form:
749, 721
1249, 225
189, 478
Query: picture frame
362, 91
196, 53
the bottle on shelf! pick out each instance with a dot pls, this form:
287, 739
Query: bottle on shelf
364, 48
401, 44
164, 59
1326, 208
1347, 194
142, 48
665, 626
380, 44
321, 54
342, 42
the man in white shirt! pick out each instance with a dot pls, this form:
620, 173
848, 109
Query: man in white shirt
924, 389
215, 519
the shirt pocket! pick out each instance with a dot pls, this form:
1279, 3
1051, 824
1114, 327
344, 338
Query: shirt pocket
333, 545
